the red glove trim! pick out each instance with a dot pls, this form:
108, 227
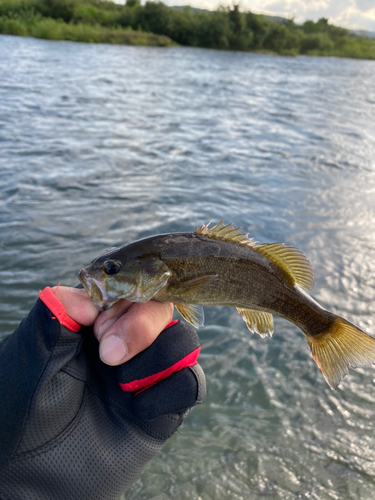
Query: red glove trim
171, 323
147, 382
58, 310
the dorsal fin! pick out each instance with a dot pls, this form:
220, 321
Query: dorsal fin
291, 260
228, 233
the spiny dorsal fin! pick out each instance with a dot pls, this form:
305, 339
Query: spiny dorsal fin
291, 260
226, 233
257, 321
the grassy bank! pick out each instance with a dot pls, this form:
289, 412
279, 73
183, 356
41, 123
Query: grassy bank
55, 29
156, 24
32, 23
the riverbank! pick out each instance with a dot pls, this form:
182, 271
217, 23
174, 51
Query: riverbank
56, 29
156, 24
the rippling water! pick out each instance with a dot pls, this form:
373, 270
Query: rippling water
100, 145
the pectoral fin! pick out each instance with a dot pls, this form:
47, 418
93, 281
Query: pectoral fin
257, 321
192, 313
193, 284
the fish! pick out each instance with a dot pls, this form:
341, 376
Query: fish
223, 266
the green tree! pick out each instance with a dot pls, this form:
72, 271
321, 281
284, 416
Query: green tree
155, 17
236, 19
59, 9
283, 40
259, 26
214, 30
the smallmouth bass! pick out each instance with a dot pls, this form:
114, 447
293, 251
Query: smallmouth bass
222, 266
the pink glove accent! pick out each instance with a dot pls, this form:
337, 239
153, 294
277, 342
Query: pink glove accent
147, 382
58, 310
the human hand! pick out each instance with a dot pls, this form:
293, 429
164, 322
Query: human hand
122, 331
61, 405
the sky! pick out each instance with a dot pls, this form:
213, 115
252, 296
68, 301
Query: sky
352, 14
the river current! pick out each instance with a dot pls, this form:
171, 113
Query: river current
101, 145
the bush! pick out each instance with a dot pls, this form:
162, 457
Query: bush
48, 29
317, 42
12, 27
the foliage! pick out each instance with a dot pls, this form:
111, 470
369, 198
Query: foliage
72, 20
156, 24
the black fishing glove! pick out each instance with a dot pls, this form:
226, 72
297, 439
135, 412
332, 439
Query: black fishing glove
73, 428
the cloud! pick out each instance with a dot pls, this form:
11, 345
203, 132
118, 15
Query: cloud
302, 9
356, 14
355, 19
365, 5
352, 14
299, 9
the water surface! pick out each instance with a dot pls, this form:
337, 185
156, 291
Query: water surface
100, 145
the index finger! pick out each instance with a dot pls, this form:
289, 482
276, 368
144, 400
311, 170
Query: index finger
77, 304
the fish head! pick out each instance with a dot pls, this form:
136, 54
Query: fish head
114, 276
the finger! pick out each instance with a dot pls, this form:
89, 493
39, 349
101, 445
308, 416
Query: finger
77, 304
107, 318
134, 331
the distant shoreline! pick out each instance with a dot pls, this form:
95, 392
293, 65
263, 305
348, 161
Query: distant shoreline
155, 24
55, 29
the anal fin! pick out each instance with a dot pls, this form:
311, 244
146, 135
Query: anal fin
191, 313
257, 321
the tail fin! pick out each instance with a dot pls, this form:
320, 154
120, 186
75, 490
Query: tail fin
343, 345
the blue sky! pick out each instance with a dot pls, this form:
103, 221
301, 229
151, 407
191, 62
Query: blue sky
355, 14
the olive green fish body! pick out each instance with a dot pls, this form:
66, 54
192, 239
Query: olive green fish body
244, 279
221, 266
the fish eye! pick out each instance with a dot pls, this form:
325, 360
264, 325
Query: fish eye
111, 267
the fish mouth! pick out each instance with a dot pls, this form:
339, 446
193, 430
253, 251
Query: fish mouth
96, 290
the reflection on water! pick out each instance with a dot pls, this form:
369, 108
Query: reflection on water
101, 145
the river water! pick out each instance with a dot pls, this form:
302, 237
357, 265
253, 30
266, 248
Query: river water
101, 145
